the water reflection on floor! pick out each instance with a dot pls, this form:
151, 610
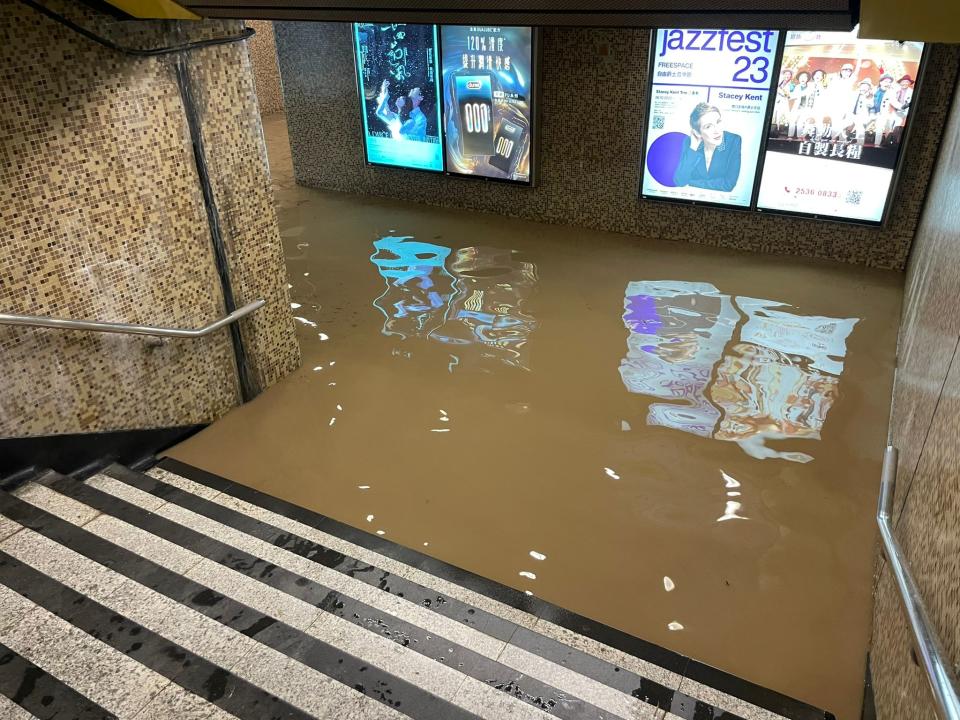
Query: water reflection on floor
680, 442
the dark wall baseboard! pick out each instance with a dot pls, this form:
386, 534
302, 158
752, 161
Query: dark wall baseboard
68, 454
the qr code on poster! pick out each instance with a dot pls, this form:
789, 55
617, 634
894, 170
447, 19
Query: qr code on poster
658, 122
854, 197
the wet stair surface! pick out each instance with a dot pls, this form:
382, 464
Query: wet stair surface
178, 594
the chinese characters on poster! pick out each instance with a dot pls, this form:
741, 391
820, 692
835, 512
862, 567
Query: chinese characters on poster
840, 114
487, 96
400, 91
708, 103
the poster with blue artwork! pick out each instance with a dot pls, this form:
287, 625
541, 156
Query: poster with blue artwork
709, 93
399, 81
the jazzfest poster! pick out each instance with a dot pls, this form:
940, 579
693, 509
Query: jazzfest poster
709, 94
841, 110
487, 96
400, 91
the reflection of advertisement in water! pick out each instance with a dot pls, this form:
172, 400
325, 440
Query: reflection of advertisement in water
841, 110
418, 285
771, 376
709, 93
488, 100
400, 90
475, 305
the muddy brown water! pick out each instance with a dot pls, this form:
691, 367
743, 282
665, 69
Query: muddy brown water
680, 442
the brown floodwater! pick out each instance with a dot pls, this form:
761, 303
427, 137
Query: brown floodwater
678, 441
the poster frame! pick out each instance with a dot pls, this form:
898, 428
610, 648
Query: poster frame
897, 168
352, 26
768, 114
534, 112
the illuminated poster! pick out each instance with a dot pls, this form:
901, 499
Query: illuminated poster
488, 100
709, 93
840, 114
400, 90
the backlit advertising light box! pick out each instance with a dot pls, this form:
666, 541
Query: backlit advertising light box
488, 77
840, 115
707, 114
399, 82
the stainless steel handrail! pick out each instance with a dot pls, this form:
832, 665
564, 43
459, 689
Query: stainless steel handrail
943, 680
124, 328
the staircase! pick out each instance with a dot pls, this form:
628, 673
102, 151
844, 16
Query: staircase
179, 594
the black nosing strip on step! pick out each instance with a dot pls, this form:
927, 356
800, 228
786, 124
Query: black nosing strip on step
655, 654
41, 694
420, 640
293, 643
583, 663
188, 670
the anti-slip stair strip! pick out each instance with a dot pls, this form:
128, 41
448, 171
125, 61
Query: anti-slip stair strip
28, 691
412, 597
140, 662
722, 691
242, 564
422, 632
515, 688
293, 643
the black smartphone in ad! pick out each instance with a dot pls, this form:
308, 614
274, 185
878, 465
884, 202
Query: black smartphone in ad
507, 147
474, 94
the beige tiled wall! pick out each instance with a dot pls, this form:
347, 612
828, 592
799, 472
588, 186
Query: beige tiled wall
593, 91
263, 54
925, 427
102, 217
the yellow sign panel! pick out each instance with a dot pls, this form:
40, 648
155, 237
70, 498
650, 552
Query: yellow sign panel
921, 20
154, 9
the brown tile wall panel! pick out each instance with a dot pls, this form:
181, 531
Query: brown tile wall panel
593, 86
240, 175
925, 426
101, 217
263, 55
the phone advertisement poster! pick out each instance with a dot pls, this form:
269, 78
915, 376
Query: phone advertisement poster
488, 100
399, 83
839, 119
709, 94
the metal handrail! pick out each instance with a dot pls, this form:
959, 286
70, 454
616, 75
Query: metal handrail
124, 328
943, 680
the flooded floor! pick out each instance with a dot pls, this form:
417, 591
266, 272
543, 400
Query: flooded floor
677, 441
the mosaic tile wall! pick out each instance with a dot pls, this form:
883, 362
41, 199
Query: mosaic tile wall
925, 425
263, 55
592, 109
102, 217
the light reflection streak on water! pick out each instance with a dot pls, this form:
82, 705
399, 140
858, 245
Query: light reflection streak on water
476, 301
736, 369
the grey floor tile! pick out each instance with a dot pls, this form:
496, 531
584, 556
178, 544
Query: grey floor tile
175, 703
572, 683
14, 608
378, 651
722, 701
56, 504
257, 595
611, 655
145, 544
488, 702
61, 563
106, 676
8, 527
125, 492
307, 689
183, 483
9, 710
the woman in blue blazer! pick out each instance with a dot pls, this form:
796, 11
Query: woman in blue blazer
711, 160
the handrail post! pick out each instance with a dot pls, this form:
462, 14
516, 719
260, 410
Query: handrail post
940, 674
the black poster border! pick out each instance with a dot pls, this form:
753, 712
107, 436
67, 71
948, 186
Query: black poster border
897, 168
768, 114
